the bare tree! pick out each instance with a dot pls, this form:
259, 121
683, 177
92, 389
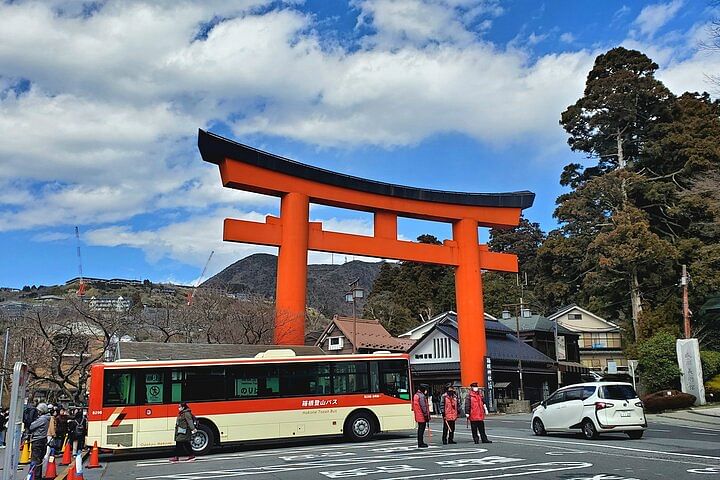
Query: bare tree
249, 321
59, 344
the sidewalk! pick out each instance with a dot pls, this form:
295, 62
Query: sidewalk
705, 415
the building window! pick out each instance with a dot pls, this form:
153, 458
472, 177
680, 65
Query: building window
335, 343
574, 316
441, 348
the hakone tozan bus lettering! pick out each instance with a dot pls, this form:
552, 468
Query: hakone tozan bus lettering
275, 395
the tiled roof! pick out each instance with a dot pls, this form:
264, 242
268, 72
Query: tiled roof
536, 323
192, 351
501, 343
371, 334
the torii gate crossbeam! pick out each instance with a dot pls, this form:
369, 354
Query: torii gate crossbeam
298, 185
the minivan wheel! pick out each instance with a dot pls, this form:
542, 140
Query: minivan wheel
538, 428
635, 434
589, 431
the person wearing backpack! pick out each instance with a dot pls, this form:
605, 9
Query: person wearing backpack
77, 429
30, 414
184, 430
61, 429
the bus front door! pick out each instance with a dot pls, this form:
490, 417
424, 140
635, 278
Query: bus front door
153, 411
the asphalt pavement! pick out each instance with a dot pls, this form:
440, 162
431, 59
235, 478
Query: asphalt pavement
670, 449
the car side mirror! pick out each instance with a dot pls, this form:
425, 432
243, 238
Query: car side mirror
544, 404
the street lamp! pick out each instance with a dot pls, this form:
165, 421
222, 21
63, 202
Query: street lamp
506, 314
351, 297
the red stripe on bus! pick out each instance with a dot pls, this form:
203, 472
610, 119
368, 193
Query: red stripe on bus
201, 409
119, 419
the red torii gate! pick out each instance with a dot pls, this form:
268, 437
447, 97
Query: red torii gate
298, 185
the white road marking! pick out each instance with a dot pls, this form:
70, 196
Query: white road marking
273, 452
614, 447
339, 462
534, 468
706, 433
705, 471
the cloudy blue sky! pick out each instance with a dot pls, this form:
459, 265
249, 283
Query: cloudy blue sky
100, 103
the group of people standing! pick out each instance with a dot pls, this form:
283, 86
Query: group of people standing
451, 409
50, 428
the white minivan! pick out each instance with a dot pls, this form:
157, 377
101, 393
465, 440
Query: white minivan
593, 408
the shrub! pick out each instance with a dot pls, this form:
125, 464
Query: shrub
667, 400
712, 389
658, 366
710, 363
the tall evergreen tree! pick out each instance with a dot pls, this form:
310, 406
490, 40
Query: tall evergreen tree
648, 203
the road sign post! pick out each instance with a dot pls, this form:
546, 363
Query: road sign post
14, 422
633, 368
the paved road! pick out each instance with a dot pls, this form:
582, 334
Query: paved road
669, 450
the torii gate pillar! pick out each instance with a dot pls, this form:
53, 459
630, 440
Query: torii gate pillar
298, 185
469, 298
292, 270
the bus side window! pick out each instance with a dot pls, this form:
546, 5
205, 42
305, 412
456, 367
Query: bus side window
177, 378
119, 388
394, 379
153, 386
350, 377
271, 380
374, 378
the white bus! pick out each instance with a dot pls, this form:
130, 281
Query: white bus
133, 404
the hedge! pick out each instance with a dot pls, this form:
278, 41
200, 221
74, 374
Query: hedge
667, 400
710, 363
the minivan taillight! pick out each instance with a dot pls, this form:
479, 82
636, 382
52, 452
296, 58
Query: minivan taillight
602, 405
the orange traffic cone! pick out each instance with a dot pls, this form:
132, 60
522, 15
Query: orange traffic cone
67, 454
51, 470
94, 457
71, 472
79, 467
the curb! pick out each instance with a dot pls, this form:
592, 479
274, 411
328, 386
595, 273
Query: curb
673, 417
699, 412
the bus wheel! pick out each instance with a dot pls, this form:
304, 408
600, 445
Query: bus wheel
202, 441
359, 427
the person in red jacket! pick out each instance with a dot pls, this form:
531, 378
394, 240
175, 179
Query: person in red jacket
475, 409
450, 409
422, 413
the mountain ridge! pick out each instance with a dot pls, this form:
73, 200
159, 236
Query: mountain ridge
326, 283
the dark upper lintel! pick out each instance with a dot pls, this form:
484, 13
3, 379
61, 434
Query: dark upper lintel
215, 149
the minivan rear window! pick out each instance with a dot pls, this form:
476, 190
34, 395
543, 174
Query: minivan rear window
617, 392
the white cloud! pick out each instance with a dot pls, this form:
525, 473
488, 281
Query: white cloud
567, 37
50, 237
107, 129
191, 240
653, 17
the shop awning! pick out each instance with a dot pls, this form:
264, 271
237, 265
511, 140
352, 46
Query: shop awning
572, 367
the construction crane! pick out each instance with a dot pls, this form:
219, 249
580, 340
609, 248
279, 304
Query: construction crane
191, 295
81, 288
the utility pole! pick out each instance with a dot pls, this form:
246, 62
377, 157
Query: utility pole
520, 367
522, 285
686, 307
